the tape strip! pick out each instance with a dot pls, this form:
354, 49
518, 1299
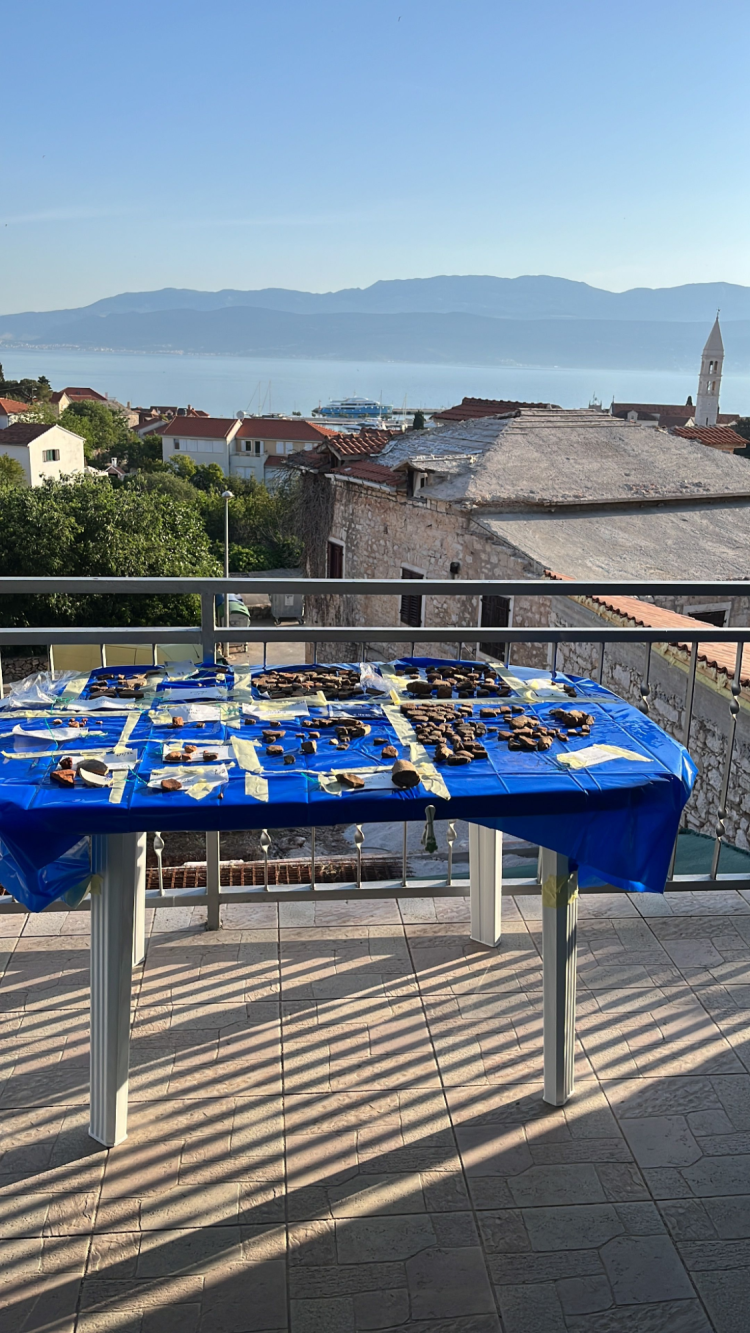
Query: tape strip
119, 778
256, 786
130, 723
559, 890
246, 754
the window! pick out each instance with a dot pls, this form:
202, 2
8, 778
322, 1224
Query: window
51, 456
411, 605
494, 614
714, 615
335, 560
258, 446
290, 448
177, 444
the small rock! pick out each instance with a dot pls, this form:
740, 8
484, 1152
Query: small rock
352, 780
390, 752
171, 784
309, 747
404, 774
274, 749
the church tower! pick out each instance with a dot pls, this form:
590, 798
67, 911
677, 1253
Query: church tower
712, 360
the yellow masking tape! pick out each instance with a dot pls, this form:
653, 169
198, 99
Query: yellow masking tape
256, 786
246, 754
599, 754
130, 722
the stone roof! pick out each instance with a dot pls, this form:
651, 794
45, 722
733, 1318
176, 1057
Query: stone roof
549, 458
686, 543
714, 341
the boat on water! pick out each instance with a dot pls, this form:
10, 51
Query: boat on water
354, 409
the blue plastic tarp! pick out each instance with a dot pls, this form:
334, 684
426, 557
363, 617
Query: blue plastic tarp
617, 821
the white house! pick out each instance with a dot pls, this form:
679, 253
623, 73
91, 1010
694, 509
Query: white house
204, 439
43, 451
241, 448
261, 440
11, 410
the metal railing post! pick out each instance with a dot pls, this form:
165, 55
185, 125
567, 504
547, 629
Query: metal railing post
734, 709
208, 624
213, 880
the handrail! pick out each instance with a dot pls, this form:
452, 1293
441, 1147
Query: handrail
12, 585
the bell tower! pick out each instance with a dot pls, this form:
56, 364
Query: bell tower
709, 383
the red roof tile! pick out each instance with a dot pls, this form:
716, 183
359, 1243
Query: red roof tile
11, 406
81, 395
716, 437
365, 470
368, 441
201, 428
22, 432
471, 408
721, 656
281, 428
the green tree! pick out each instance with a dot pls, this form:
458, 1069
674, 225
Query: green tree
418, 422
11, 472
209, 477
183, 466
88, 527
104, 429
25, 390
41, 412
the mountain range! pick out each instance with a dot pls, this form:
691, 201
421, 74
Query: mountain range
542, 321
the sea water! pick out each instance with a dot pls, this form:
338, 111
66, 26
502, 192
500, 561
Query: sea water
225, 385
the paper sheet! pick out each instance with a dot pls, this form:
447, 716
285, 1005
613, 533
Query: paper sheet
599, 754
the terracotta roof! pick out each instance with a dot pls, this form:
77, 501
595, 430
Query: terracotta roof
22, 432
721, 656
368, 441
280, 428
470, 408
275, 460
665, 414
12, 406
716, 437
365, 470
310, 461
202, 428
82, 395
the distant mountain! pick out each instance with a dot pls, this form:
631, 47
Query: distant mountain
450, 338
482, 320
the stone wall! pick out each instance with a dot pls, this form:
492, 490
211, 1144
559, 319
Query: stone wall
625, 674
17, 665
382, 533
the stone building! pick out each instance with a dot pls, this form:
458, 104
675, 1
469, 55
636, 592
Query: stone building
516, 497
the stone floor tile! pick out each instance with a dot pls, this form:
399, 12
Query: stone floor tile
726, 1297
643, 1269
449, 1283
527, 1309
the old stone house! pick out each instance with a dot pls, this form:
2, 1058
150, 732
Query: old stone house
577, 492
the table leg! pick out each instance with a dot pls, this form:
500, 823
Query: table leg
559, 950
115, 861
139, 924
485, 883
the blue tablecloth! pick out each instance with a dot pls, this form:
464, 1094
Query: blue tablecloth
617, 820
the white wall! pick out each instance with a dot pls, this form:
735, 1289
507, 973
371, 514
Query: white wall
31, 456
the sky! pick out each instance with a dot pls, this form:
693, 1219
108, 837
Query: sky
321, 144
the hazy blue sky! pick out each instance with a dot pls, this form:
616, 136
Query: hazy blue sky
329, 143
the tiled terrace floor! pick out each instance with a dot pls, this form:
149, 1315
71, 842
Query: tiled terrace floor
337, 1125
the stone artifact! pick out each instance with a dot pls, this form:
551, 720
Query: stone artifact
352, 780
404, 774
63, 777
171, 784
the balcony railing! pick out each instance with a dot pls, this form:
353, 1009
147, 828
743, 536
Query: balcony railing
208, 635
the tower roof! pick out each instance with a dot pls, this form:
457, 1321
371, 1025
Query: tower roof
713, 342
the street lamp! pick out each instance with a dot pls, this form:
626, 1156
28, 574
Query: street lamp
226, 497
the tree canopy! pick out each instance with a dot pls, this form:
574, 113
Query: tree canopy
25, 390
11, 471
85, 526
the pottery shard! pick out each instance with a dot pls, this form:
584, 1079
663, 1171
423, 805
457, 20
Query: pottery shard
63, 777
444, 691
421, 688
271, 736
389, 752
460, 757
288, 758
442, 754
91, 779
351, 780
210, 756
308, 747
274, 749
404, 774
177, 722
171, 784
66, 762
173, 757
519, 723
97, 766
